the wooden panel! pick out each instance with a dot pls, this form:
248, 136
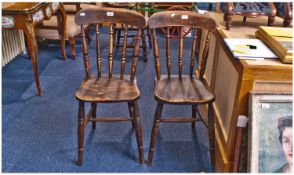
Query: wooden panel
272, 86
225, 90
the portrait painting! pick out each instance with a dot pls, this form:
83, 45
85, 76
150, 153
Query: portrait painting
270, 133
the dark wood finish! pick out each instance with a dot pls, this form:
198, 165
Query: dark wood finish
181, 89
22, 14
109, 88
118, 28
229, 13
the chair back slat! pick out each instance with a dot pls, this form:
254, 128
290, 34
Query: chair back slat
181, 52
194, 45
123, 59
110, 15
179, 20
98, 51
168, 59
156, 55
135, 56
85, 53
205, 56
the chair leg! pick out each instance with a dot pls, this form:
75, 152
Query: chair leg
118, 38
138, 129
211, 132
194, 113
94, 107
72, 43
144, 46
63, 47
88, 34
271, 20
81, 132
131, 113
244, 18
149, 37
154, 132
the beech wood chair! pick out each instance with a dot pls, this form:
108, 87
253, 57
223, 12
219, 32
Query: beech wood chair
109, 88
181, 89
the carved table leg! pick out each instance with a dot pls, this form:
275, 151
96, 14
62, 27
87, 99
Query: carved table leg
228, 15
33, 50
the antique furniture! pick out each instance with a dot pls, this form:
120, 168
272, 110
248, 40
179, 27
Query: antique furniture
231, 80
284, 10
47, 29
109, 88
25, 16
118, 28
249, 9
181, 89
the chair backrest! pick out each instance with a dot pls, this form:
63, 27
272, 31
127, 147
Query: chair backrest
96, 16
180, 19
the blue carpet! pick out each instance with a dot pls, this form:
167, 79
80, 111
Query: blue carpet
39, 134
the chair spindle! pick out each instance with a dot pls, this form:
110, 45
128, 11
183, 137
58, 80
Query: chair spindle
110, 57
156, 56
135, 56
98, 51
181, 52
123, 60
204, 57
85, 53
194, 45
168, 62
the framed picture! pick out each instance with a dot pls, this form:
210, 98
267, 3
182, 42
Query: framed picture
270, 133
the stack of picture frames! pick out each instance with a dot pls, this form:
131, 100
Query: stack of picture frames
270, 133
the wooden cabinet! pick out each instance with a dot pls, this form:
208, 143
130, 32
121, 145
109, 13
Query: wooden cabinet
231, 80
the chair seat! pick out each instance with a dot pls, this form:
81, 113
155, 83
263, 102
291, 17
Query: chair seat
186, 90
72, 29
107, 89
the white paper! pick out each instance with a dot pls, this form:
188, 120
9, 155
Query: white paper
261, 51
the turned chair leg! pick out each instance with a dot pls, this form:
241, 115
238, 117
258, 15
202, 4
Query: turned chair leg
81, 132
138, 129
271, 20
144, 46
94, 107
149, 37
72, 43
118, 38
211, 133
154, 132
88, 34
194, 113
131, 113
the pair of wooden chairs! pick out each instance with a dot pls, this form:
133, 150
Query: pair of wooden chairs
170, 89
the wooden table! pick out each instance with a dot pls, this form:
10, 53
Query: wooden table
25, 16
231, 80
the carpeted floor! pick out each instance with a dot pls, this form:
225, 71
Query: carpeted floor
39, 134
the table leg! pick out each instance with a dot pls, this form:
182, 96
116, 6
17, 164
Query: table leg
33, 50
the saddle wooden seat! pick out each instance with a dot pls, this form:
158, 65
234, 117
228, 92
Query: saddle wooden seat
188, 90
105, 89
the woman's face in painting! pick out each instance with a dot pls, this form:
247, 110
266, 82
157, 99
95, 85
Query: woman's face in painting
287, 144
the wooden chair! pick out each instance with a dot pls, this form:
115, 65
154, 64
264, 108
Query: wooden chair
251, 10
118, 28
48, 29
181, 89
109, 88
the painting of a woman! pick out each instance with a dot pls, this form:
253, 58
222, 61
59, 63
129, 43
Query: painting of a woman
285, 138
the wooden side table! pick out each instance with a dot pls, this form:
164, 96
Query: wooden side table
25, 16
